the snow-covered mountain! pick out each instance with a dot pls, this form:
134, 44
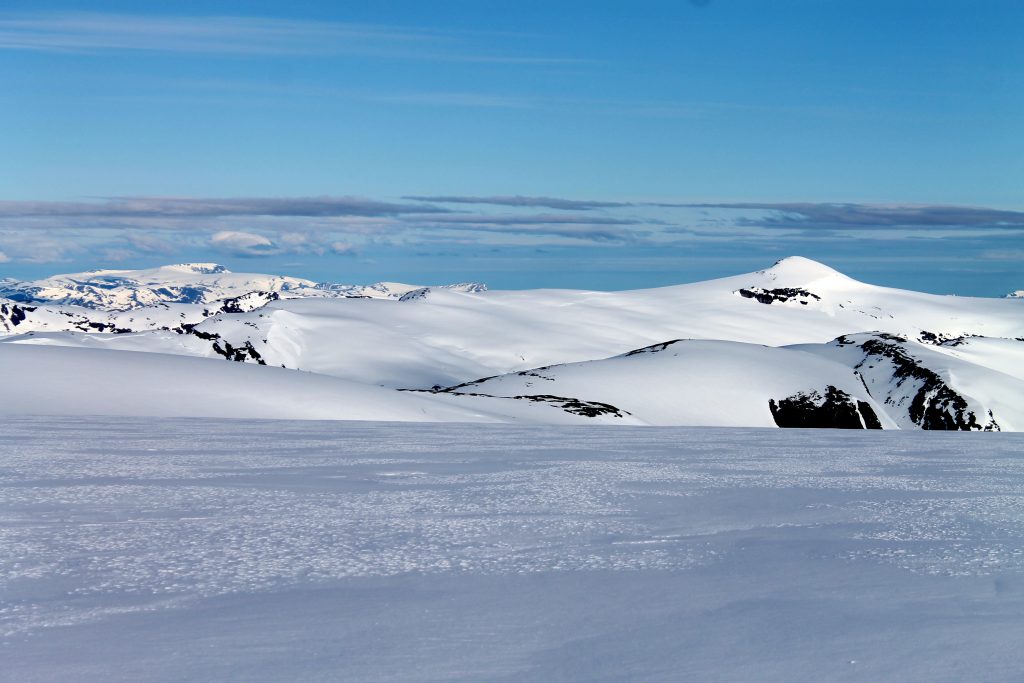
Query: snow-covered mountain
702, 382
797, 344
185, 283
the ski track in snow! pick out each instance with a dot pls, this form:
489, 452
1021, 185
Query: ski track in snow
104, 519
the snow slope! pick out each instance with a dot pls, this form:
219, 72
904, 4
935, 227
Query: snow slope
447, 337
966, 384
251, 551
433, 338
688, 382
93, 381
68, 381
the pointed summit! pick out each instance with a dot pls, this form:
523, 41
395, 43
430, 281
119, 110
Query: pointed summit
798, 271
800, 266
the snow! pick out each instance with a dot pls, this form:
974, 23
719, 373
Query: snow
689, 382
184, 550
450, 336
753, 338
77, 381
146, 537
184, 283
982, 370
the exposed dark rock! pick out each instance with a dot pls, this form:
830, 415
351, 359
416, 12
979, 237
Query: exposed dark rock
534, 373
238, 354
782, 295
454, 389
415, 294
14, 314
568, 404
102, 327
939, 339
244, 303
653, 348
190, 328
575, 405
935, 405
835, 410
221, 347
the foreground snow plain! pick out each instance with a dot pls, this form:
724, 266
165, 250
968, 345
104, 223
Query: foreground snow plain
197, 550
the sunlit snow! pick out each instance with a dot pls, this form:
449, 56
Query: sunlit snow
183, 550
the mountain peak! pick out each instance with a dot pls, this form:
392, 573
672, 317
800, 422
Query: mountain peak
801, 273
800, 266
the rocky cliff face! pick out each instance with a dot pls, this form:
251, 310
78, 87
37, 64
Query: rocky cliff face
901, 378
835, 409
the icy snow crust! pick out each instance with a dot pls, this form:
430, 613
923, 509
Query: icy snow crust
186, 550
718, 352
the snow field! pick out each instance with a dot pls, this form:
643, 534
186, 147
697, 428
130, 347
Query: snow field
172, 550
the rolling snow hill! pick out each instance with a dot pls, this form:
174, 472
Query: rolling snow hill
69, 381
714, 383
797, 344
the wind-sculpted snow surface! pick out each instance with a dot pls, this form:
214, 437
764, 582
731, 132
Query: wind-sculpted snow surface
187, 550
732, 346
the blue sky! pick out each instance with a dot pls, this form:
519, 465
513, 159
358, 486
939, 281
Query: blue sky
579, 144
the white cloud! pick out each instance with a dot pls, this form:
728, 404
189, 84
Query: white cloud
117, 254
37, 248
1003, 254
343, 248
243, 243
92, 32
4, 258
150, 244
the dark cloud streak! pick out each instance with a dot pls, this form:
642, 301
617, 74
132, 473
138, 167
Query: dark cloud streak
190, 207
867, 216
536, 219
520, 201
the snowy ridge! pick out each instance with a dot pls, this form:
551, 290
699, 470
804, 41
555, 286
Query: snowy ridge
796, 344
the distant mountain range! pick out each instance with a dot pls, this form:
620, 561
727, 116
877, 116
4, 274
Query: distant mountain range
184, 283
795, 345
